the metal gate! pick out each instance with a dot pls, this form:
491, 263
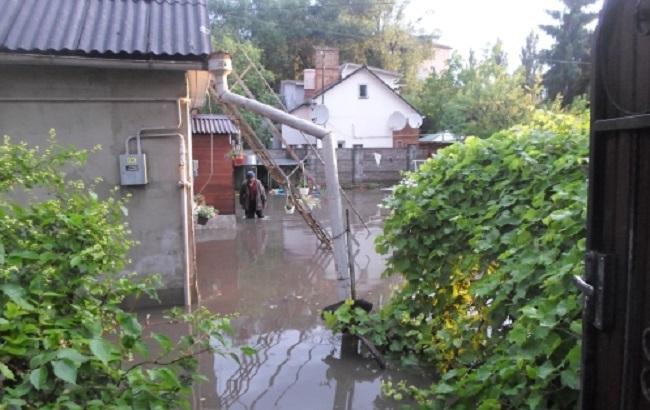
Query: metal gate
616, 341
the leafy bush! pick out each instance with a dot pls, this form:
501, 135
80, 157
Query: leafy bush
487, 237
65, 342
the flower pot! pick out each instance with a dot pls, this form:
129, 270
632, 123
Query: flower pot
202, 220
238, 161
303, 191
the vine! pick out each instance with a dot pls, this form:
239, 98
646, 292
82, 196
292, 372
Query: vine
487, 237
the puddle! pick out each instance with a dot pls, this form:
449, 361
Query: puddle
276, 278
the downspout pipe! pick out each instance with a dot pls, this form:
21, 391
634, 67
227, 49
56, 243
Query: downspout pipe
184, 184
220, 66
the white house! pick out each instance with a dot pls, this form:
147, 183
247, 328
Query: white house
391, 78
362, 107
293, 93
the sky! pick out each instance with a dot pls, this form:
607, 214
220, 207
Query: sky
473, 24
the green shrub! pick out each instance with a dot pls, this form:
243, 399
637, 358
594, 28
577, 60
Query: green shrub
487, 237
65, 342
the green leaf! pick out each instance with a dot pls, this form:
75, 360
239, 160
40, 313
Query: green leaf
545, 370
2, 254
65, 370
164, 342
130, 324
489, 404
38, 378
443, 388
534, 401
6, 372
248, 351
102, 350
17, 295
72, 355
569, 378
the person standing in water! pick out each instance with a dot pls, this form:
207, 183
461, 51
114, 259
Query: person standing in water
252, 196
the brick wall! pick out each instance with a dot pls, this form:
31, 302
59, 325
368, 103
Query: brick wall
405, 137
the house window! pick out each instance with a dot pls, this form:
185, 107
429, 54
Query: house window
340, 144
363, 91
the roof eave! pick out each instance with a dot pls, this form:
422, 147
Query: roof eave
157, 63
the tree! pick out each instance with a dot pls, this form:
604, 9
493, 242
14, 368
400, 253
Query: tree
65, 340
477, 97
438, 89
530, 63
487, 237
257, 80
568, 58
365, 31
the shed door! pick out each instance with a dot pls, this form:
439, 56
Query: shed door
616, 344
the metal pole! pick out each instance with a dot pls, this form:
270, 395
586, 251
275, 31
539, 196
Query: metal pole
220, 65
335, 207
353, 279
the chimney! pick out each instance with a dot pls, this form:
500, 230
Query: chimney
326, 65
309, 81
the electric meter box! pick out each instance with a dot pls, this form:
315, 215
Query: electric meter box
133, 169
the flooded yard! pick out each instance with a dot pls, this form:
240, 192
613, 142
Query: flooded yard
273, 275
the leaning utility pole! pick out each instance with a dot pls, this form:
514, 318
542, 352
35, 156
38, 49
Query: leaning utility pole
220, 66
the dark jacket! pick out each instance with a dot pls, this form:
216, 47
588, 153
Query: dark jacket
244, 195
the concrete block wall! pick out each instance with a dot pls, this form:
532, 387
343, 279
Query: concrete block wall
359, 166
90, 106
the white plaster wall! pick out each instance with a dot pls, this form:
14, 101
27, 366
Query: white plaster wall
293, 94
357, 121
391, 80
292, 136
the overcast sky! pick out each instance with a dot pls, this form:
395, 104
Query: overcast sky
472, 24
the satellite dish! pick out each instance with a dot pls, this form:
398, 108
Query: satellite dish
397, 121
320, 114
415, 120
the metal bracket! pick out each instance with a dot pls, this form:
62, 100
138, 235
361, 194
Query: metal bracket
598, 289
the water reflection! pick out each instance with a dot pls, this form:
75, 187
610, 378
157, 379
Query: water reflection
278, 279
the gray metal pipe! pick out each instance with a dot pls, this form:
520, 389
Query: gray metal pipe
185, 184
220, 66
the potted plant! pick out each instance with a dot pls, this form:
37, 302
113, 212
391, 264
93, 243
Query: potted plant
310, 202
204, 213
303, 188
237, 157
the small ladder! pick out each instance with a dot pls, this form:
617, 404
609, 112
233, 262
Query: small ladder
276, 173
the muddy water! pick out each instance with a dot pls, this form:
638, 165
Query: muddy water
275, 277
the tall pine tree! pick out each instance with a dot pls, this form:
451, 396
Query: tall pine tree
568, 59
530, 61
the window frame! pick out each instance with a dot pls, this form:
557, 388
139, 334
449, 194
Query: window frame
365, 95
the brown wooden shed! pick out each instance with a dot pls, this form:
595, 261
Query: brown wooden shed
212, 139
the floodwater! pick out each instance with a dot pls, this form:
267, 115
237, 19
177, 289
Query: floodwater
275, 277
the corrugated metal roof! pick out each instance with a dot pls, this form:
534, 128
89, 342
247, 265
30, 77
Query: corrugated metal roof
213, 124
445, 136
286, 162
158, 28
